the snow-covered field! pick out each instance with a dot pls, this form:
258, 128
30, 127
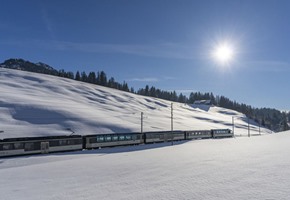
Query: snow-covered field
236, 168
36, 105
225, 169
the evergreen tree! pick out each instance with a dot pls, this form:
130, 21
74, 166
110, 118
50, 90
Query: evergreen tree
84, 77
125, 87
112, 83
146, 90
132, 90
70, 75
78, 76
92, 78
102, 78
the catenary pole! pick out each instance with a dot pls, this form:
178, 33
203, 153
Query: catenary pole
171, 123
233, 121
141, 122
249, 127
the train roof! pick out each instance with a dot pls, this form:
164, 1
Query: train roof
39, 138
93, 135
155, 132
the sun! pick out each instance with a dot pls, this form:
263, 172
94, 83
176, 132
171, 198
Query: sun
223, 53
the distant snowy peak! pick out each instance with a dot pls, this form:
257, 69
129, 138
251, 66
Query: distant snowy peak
21, 64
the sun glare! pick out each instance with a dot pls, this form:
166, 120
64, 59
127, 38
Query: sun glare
223, 53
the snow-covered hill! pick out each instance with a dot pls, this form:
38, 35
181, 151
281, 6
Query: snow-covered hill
36, 105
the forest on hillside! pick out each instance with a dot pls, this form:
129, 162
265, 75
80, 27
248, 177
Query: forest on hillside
268, 117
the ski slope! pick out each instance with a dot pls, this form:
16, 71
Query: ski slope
215, 169
41, 105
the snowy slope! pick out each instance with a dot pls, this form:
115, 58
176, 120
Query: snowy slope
35, 104
236, 168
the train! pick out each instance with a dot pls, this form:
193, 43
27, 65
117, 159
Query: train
51, 144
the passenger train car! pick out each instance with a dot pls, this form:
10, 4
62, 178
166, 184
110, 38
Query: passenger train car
221, 133
111, 140
37, 145
163, 136
43, 145
198, 134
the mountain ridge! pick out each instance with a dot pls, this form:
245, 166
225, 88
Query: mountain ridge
21, 64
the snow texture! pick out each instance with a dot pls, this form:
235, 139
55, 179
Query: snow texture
41, 105
214, 169
236, 168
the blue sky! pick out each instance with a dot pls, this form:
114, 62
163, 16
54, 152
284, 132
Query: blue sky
164, 43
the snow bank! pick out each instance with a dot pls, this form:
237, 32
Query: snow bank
225, 169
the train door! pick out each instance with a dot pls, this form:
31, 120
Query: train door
44, 147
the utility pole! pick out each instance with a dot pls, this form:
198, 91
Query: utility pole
171, 116
142, 135
249, 127
141, 122
233, 125
259, 127
171, 123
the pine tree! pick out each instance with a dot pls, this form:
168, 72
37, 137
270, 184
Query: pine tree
84, 77
102, 78
78, 76
146, 90
92, 78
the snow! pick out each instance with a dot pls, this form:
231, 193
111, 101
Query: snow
41, 105
236, 168
211, 169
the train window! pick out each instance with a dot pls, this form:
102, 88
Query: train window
53, 143
92, 140
8, 147
73, 141
18, 145
78, 141
70, 142
148, 136
115, 138
29, 146
108, 138
100, 139
128, 137
1, 147
122, 137
135, 137
62, 142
